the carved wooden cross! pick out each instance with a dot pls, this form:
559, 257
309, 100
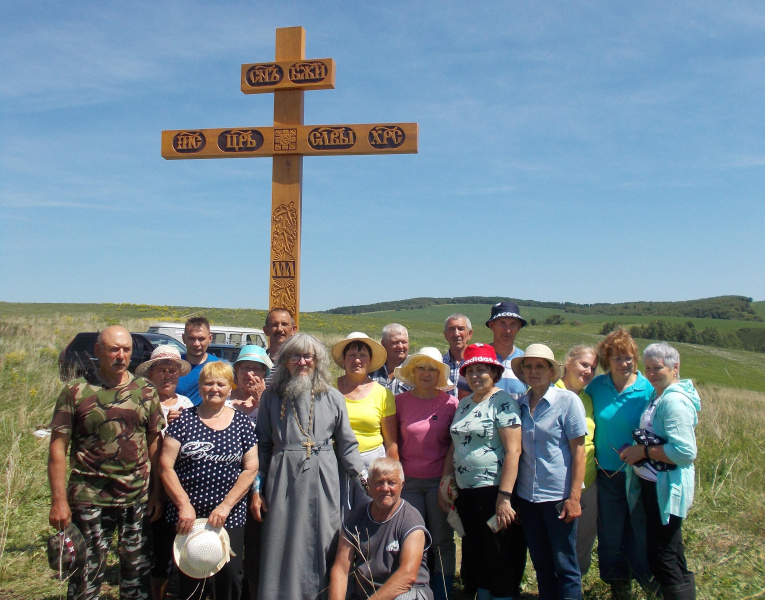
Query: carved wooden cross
287, 142
308, 445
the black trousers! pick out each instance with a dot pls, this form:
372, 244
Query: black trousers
496, 561
666, 552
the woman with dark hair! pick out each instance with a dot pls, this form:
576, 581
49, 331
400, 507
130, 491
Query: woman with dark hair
662, 471
618, 398
371, 407
486, 447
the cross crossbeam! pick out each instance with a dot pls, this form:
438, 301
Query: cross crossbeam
287, 142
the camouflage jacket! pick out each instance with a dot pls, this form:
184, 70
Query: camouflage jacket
108, 428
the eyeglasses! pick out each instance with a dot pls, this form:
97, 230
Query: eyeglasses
605, 472
296, 358
623, 359
426, 368
540, 368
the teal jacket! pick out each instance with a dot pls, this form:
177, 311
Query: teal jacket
675, 420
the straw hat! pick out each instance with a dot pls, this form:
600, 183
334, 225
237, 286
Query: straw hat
480, 353
204, 551
163, 352
536, 351
405, 371
256, 354
379, 355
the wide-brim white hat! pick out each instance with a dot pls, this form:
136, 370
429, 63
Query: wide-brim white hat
379, 354
204, 551
405, 371
536, 351
163, 352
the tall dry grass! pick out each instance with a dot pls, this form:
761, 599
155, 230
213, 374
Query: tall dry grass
725, 532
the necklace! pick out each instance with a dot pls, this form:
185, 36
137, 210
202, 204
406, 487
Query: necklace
308, 444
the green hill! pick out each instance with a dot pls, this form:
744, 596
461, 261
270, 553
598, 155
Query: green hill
737, 308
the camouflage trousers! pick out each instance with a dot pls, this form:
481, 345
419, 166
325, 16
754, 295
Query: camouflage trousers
98, 524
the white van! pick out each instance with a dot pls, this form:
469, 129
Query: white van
221, 334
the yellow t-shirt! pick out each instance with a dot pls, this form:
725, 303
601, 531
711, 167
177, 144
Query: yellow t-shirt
367, 413
590, 469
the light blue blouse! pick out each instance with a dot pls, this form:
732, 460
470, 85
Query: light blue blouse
675, 420
545, 469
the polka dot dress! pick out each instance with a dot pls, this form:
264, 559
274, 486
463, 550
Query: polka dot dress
209, 463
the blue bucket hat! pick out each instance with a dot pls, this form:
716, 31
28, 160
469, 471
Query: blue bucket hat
257, 354
506, 309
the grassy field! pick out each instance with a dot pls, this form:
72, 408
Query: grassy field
725, 532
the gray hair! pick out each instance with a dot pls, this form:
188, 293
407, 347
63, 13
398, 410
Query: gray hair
454, 317
302, 343
392, 329
578, 351
385, 466
664, 352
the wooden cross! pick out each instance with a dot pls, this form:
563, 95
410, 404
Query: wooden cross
308, 445
287, 142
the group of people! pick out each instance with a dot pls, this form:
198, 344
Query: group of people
352, 487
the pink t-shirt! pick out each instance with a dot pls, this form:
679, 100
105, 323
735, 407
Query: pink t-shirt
423, 433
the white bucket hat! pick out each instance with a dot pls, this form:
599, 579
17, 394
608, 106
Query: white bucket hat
163, 352
204, 551
405, 371
379, 354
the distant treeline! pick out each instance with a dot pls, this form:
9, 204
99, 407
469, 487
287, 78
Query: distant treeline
746, 338
736, 308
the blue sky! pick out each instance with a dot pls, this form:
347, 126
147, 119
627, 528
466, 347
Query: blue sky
568, 151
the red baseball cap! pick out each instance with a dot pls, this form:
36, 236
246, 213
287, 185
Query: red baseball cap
480, 353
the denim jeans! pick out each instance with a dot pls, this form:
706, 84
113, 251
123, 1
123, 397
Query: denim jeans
552, 546
621, 532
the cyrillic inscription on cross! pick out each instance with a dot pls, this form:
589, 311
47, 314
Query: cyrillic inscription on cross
287, 142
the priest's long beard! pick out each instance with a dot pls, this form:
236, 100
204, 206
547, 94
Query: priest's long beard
298, 387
